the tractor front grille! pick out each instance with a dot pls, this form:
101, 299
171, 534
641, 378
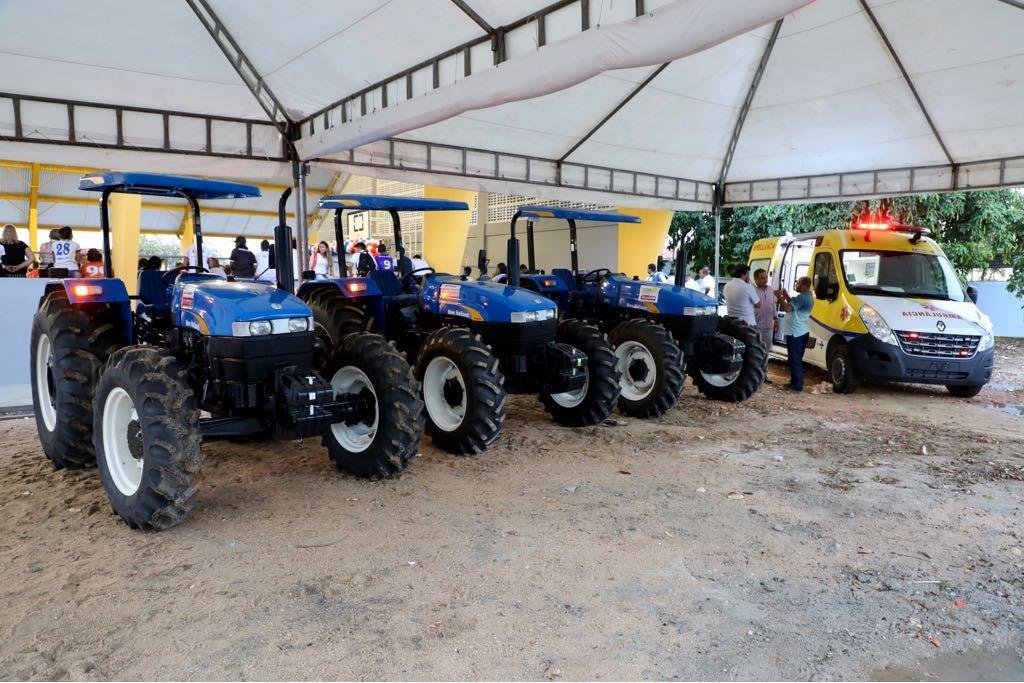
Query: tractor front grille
936, 345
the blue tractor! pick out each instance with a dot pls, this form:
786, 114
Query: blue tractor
472, 343
123, 388
659, 330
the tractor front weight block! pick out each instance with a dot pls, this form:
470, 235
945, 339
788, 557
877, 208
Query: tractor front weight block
720, 354
566, 368
307, 405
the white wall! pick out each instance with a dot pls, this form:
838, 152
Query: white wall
20, 297
598, 244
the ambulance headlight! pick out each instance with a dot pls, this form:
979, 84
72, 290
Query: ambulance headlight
298, 324
258, 328
988, 340
876, 326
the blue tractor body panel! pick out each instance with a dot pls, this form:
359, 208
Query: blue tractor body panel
159, 185
360, 290
619, 291
210, 304
491, 302
110, 291
549, 286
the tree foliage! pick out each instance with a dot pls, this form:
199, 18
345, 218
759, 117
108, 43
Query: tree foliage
978, 230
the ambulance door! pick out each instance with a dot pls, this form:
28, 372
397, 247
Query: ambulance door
796, 261
826, 315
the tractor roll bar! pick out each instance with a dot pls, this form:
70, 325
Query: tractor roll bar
283, 246
108, 269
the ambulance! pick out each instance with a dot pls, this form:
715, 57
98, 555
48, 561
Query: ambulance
888, 306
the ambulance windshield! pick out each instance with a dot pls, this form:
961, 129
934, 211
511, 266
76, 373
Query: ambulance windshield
901, 273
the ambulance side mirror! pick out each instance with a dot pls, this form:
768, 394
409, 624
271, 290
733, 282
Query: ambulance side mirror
972, 294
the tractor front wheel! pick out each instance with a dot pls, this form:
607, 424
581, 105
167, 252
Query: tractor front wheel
593, 403
146, 436
463, 391
381, 442
651, 366
740, 385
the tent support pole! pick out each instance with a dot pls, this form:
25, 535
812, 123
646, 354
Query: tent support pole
299, 172
717, 210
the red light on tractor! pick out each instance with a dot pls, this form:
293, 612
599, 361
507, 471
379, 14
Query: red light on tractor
355, 287
86, 290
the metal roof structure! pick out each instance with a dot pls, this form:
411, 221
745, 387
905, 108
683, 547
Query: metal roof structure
662, 103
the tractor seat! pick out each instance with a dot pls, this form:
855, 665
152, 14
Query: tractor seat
391, 287
154, 298
566, 276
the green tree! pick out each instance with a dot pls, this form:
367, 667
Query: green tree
978, 230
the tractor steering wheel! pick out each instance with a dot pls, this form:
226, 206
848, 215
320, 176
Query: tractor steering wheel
408, 279
595, 275
171, 275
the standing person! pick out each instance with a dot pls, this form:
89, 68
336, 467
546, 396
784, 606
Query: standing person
364, 262
693, 283
767, 320
501, 273
384, 260
16, 256
266, 266
243, 261
321, 262
707, 282
466, 273
418, 262
655, 275
214, 268
93, 266
741, 299
46, 250
794, 326
65, 252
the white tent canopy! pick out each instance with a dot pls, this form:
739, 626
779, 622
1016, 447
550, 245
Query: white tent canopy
639, 102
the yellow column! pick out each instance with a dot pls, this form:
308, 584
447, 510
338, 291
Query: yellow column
125, 217
640, 243
187, 231
33, 209
445, 232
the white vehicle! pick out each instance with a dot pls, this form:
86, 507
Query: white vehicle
888, 306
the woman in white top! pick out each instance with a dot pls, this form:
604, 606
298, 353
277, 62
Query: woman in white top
321, 262
65, 252
46, 250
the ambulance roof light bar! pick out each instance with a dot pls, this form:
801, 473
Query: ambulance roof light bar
883, 221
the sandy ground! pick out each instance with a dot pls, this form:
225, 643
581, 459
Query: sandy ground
878, 535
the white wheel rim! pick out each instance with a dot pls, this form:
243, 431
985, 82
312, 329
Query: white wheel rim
627, 354
357, 437
440, 373
571, 399
44, 361
720, 380
119, 416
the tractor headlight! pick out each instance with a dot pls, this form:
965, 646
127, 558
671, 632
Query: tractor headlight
699, 310
876, 325
298, 324
532, 316
258, 328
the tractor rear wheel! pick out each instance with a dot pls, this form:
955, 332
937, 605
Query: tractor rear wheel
463, 391
593, 403
739, 385
651, 366
383, 441
146, 436
334, 316
69, 347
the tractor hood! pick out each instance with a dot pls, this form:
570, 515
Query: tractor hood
656, 297
485, 301
930, 315
211, 304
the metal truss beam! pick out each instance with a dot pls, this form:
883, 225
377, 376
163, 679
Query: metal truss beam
450, 160
356, 105
906, 77
613, 112
242, 64
140, 129
741, 118
854, 185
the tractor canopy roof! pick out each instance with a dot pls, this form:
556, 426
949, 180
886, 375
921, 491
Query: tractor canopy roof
376, 202
534, 211
165, 185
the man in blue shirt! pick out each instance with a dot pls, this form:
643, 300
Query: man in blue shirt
794, 326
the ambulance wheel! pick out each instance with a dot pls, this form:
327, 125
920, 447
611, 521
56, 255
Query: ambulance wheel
146, 436
594, 403
651, 366
69, 347
841, 372
463, 391
964, 391
381, 442
739, 385
334, 316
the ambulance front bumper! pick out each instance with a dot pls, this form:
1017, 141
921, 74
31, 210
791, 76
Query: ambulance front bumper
876, 360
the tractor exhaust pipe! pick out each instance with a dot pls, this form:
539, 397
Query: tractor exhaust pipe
283, 246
